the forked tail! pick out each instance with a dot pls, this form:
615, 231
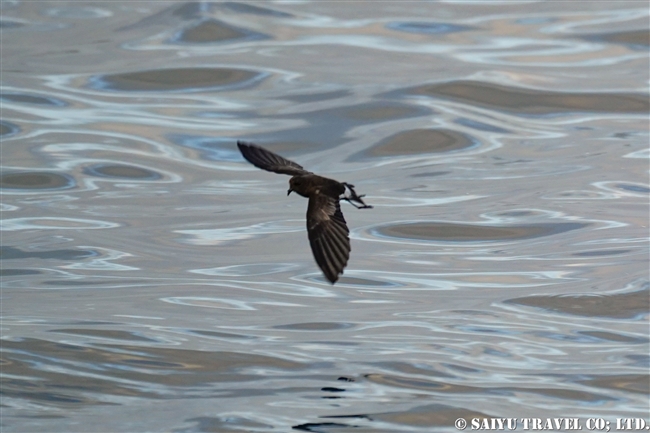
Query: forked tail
354, 197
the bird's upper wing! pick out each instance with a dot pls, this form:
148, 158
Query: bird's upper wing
328, 235
269, 161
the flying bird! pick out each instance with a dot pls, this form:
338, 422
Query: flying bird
326, 227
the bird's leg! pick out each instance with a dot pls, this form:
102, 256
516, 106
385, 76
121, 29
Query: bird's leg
354, 197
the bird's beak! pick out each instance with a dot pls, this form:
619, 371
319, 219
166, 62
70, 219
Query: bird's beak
290, 191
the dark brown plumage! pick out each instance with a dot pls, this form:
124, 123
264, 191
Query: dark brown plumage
326, 227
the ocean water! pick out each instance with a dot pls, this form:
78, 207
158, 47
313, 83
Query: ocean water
153, 280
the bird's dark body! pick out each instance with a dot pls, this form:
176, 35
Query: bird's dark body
309, 184
326, 227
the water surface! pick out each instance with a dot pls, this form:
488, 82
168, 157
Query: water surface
152, 280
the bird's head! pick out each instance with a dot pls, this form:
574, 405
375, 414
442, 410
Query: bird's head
296, 184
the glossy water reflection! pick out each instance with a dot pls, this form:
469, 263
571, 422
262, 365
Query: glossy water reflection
152, 280
527, 101
37, 181
187, 79
454, 232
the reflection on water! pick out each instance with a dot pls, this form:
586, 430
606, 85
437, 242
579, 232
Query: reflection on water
420, 141
177, 79
623, 305
37, 181
527, 101
454, 232
640, 38
13, 253
122, 171
213, 31
7, 128
24, 98
427, 27
152, 280
114, 370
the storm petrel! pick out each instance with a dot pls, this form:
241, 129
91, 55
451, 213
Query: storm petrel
326, 227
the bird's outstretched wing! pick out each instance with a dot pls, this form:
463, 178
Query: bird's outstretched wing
328, 235
269, 161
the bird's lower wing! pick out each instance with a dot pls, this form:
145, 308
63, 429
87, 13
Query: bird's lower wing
269, 161
328, 235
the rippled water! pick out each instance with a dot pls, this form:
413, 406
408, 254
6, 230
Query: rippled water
152, 280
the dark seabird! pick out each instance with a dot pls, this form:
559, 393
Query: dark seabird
326, 227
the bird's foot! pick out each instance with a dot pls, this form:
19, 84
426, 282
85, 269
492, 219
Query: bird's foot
354, 197
351, 200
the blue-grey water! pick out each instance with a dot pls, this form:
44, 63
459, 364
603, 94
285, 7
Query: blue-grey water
154, 281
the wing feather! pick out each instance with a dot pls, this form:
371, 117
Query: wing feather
328, 235
269, 161
329, 263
